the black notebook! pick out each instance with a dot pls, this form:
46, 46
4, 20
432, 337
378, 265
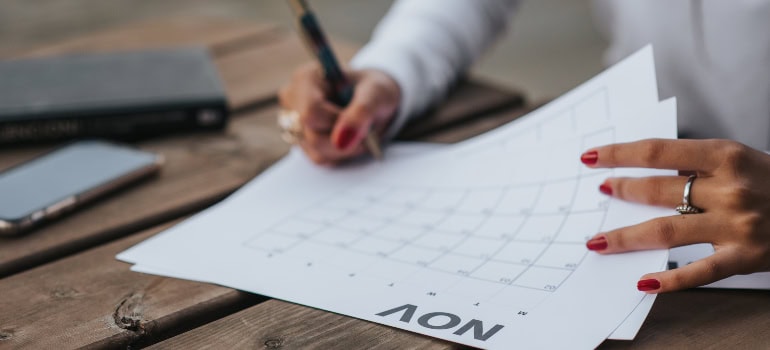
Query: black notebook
123, 95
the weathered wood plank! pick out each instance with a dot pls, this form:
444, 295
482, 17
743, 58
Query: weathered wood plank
216, 34
695, 319
277, 324
704, 319
93, 300
467, 103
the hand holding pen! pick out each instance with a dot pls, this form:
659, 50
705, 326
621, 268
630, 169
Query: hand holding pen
335, 115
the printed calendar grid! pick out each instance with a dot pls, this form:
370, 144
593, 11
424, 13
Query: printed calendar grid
440, 233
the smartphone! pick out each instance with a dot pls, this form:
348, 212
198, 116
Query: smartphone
50, 185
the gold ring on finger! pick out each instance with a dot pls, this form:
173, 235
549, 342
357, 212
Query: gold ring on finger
291, 126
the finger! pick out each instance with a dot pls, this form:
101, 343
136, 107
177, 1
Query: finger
662, 191
326, 160
306, 94
699, 155
320, 143
305, 79
319, 115
313, 74
313, 144
315, 111
659, 233
313, 154
354, 122
321, 151
722, 264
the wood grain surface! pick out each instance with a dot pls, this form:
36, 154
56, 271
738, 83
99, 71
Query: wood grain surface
704, 319
200, 169
215, 34
92, 300
277, 324
693, 319
465, 106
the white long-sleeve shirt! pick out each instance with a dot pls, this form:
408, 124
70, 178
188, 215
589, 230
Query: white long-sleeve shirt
714, 55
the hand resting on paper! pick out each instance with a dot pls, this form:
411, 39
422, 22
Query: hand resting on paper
330, 133
732, 188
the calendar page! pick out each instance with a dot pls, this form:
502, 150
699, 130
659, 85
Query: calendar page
481, 243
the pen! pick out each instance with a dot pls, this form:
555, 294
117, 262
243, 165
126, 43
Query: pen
342, 87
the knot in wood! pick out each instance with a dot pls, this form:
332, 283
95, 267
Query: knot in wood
63, 292
273, 343
128, 314
130, 324
5, 334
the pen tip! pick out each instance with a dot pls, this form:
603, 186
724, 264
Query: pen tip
373, 145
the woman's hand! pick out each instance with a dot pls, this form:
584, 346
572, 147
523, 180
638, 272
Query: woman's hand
331, 134
732, 188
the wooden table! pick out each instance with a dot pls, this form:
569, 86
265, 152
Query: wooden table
61, 286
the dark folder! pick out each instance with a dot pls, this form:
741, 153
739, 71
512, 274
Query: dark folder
123, 95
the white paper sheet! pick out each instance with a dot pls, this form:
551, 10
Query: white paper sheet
481, 244
666, 115
666, 118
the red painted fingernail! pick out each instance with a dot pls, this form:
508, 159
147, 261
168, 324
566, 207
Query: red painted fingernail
589, 158
606, 189
648, 285
599, 243
346, 137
